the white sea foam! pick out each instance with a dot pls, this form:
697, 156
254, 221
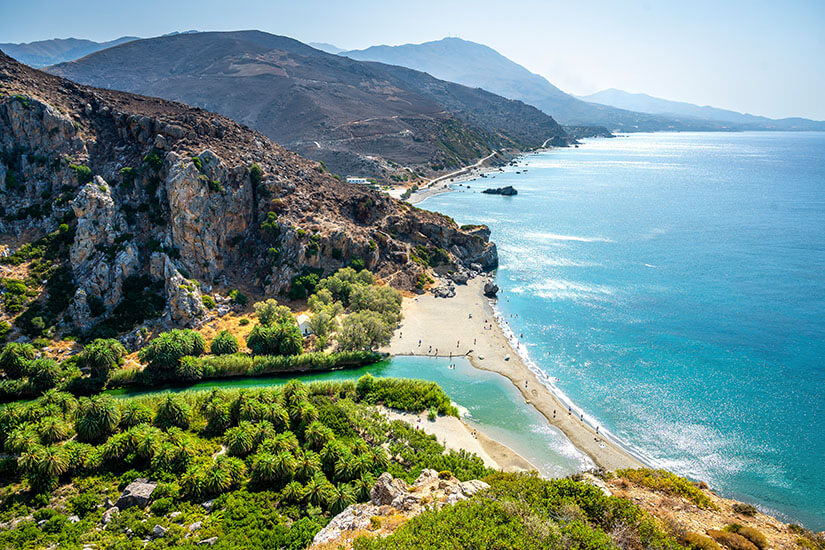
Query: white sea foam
548, 237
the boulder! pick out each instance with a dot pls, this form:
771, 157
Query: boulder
208, 542
490, 289
387, 489
109, 514
159, 531
137, 493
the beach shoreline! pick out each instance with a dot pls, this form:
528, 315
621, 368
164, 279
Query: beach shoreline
455, 434
467, 325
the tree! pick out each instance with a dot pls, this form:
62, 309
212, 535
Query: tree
134, 413
102, 356
282, 338
269, 313
163, 354
383, 300
44, 374
173, 410
224, 343
53, 429
364, 330
15, 357
240, 440
316, 490
97, 416
338, 498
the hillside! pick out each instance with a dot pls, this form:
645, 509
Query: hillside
480, 66
354, 116
57, 50
654, 105
120, 209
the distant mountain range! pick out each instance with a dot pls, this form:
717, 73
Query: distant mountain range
480, 66
57, 50
648, 104
350, 114
326, 47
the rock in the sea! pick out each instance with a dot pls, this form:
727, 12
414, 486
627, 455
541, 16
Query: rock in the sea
508, 191
490, 289
137, 493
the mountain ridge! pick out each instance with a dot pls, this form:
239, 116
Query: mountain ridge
346, 113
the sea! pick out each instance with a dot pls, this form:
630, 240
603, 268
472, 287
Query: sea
672, 286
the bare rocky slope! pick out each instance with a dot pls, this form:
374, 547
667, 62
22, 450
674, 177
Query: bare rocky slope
126, 192
357, 117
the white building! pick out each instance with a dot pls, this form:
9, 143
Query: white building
353, 179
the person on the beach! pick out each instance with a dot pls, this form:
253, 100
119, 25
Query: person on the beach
525, 383
419, 345
597, 429
582, 417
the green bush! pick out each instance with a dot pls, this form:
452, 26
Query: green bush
364, 330
269, 312
208, 301
744, 509
755, 536
731, 540
15, 358
699, 542
224, 343
238, 297
667, 482
83, 173
173, 411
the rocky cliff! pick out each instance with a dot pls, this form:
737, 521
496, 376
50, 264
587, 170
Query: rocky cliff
149, 193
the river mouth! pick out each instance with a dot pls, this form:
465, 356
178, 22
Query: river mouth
486, 400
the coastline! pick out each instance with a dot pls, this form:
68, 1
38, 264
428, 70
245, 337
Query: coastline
455, 434
467, 325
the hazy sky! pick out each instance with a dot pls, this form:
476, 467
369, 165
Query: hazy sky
761, 57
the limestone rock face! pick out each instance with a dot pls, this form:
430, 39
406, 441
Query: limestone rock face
99, 260
208, 209
184, 302
394, 497
137, 493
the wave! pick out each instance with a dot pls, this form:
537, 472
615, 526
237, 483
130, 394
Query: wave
544, 236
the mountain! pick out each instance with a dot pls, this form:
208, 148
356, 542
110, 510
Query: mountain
654, 105
480, 66
58, 50
326, 47
359, 118
117, 206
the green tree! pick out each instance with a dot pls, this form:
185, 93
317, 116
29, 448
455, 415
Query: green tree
364, 330
102, 356
97, 417
173, 410
15, 357
163, 354
269, 312
224, 343
282, 338
44, 373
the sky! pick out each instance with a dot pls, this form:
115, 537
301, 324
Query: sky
760, 57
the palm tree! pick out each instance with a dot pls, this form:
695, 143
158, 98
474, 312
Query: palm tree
265, 468
292, 493
53, 461
338, 498
216, 480
361, 464
363, 486
240, 441
53, 429
283, 442
316, 435
173, 410
134, 413
234, 466
316, 490
278, 416
22, 439
145, 441
307, 465
380, 458
302, 413
97, 417
66, 402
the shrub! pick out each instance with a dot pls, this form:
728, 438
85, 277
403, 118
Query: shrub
255, 174
208, 301
224, 343
238, 297
43, 374
303, 285
364, 330
732, 540
755, 536
744, 509
83, 173
699, 542
83, 504
243, 322
667, 482
97, 416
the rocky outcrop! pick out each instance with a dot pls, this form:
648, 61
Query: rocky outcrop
394, 497
101, 257
184, 302
138, 493
507, 191
178, 182
490, 289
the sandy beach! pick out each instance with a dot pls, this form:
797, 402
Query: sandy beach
455, 434
457, 326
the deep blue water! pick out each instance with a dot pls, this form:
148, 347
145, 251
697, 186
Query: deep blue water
675, 286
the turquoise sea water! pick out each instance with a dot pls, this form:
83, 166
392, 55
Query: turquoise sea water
675, 286
488, 400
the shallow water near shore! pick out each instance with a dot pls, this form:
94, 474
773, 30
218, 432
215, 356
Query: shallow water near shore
489, 402
673, 284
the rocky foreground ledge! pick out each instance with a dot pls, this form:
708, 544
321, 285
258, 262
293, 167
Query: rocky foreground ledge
392, 502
